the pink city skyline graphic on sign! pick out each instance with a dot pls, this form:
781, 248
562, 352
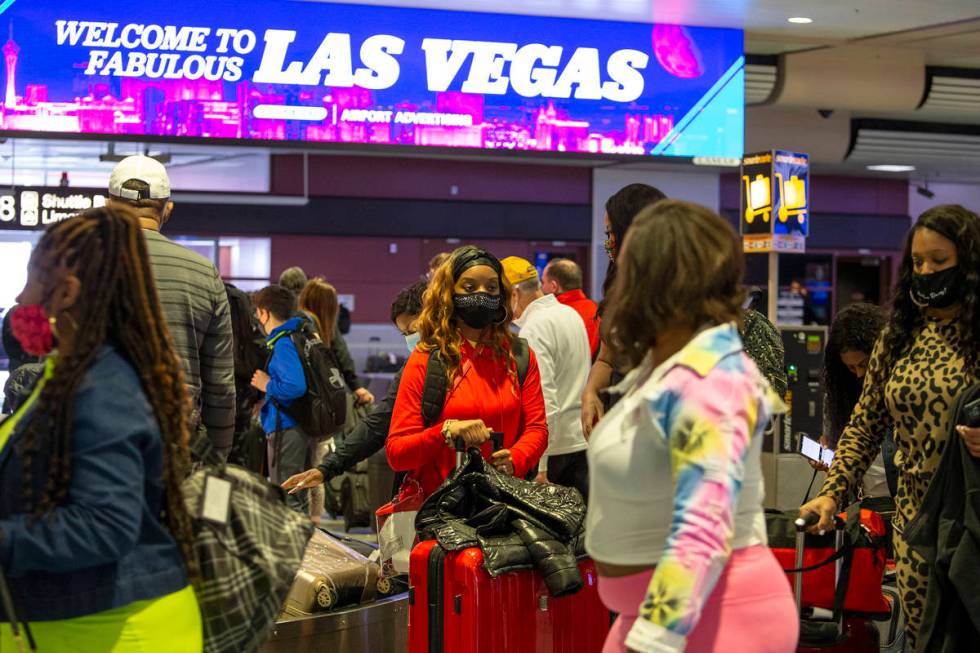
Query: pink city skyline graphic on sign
133, 107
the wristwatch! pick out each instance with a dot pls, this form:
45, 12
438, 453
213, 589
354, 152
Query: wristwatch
447, 435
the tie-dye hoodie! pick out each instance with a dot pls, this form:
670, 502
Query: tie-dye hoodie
669, 464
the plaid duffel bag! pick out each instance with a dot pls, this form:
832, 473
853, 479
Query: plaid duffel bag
249, 546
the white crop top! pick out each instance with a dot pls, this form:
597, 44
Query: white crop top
675, 472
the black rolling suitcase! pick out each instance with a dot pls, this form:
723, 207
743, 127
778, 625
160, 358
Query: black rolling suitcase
824, 630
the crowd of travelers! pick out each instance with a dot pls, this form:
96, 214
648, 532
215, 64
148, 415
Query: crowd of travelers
129, 356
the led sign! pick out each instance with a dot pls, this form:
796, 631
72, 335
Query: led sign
285, 70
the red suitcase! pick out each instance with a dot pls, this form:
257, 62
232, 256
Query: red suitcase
456, 607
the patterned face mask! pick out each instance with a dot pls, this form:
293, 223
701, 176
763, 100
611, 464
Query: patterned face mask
939, 289
33, 329
477, 310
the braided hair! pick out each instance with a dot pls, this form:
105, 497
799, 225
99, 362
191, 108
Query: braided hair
118, 304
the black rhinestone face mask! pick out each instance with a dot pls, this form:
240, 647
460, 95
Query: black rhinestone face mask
477, 310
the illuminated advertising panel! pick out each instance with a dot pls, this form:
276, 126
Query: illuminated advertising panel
775, 201
288, 70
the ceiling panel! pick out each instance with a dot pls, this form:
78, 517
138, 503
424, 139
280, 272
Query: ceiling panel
39, 162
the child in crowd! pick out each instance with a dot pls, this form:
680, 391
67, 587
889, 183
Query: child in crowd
283, 383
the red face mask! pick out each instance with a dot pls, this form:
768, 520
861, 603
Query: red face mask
32, 328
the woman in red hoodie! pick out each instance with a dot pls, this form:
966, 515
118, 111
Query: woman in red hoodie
466, 318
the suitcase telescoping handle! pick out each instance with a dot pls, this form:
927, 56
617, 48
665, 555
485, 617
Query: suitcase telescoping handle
496, 439
806, 521
802, 524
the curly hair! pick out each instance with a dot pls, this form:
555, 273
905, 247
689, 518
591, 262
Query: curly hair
693, 258
117, 303
962, 227
438, 326
856, 328
409, 300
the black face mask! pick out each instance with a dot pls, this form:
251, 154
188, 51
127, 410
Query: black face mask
937, 290
477, 310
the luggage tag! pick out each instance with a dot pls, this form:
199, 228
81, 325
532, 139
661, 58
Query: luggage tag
216, 502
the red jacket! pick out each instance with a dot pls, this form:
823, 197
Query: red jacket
588, 310
485, 391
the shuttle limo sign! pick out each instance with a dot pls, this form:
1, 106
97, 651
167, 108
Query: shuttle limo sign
280, 70
38, 208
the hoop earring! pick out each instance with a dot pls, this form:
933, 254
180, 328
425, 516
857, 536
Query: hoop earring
53, 323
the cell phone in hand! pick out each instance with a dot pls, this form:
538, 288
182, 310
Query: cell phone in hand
827, 456
812, 449
971, 414
809, 448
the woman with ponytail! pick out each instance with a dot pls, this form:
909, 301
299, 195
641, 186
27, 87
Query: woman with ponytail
95, 539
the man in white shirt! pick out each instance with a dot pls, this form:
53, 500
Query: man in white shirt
559, 340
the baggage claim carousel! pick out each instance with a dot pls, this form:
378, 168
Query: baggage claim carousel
377, 627
380, 626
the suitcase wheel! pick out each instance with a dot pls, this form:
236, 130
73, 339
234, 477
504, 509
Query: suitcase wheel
326, 597
384, 586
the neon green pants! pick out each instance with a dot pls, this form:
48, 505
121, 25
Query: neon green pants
170, 623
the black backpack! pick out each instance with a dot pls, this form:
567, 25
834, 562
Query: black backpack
322, 411
437, 385
250, 353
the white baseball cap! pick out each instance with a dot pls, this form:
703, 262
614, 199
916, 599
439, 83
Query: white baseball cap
142, 168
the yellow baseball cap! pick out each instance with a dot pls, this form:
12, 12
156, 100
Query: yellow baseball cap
518, 270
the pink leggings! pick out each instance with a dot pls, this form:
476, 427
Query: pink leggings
750, 609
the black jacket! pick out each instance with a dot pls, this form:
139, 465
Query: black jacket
946, 532
517, 524
365, 439
340, 351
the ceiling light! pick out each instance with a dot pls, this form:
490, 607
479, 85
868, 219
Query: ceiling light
800, 20
891, 168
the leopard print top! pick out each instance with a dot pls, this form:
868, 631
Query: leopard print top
913, 402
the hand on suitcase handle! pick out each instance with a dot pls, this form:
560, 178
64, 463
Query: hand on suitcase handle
825, 508
470, 432
807, 520
496, 439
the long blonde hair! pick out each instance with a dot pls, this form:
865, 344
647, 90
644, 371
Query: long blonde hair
439, 329
319, 299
